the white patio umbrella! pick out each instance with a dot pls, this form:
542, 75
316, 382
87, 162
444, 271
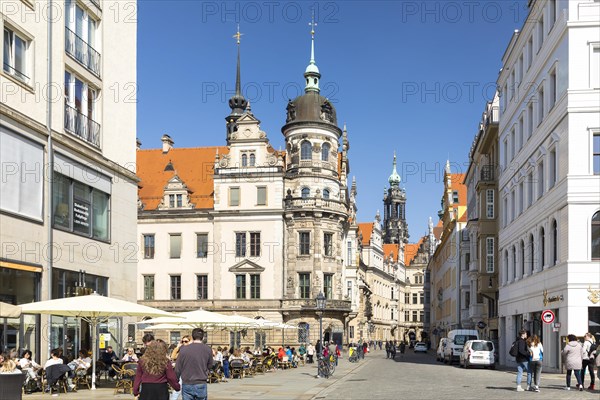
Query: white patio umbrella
197, 319
94, 309
9, 311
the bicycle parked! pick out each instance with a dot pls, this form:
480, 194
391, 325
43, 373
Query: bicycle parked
326, 366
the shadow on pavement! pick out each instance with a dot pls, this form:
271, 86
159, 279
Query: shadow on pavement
509, 388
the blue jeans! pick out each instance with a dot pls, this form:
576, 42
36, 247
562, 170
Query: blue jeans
523, 366
174, 394
194, 392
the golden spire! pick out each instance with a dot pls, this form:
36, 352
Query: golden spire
238, 35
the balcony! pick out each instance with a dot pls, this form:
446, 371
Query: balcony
491, 115
81, 51
487, 173
82, 126
312, 203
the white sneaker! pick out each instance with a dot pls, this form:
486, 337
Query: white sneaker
528, 388
537, 389
567, 388
520, 389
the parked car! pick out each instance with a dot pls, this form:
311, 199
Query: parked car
420, 347
456, 341
439, 354
478, 352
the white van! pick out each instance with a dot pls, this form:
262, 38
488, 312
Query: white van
455, 343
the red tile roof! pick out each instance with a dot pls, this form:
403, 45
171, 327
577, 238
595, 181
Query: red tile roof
411, 250
390, 249
194, 166
438, 229
366, 228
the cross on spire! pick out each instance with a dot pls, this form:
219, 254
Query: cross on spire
312, 24
238, 35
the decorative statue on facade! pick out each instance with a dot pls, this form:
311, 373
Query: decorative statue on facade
327, 111
291, 111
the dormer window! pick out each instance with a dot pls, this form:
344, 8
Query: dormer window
248, 159
252, 160
244, 160
176, 195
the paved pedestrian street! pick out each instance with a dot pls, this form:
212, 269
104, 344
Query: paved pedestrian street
415, 376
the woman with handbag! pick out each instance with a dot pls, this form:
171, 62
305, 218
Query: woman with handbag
536, 354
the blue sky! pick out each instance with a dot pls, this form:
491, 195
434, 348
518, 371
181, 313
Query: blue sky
409, 76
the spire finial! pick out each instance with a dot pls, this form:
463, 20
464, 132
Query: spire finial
312, 34
311, 74
237, 103
238, 83
394, 178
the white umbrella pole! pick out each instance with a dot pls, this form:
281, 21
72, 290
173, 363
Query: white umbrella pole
93, 324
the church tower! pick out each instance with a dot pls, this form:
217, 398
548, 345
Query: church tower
316, 204
395, 228
237, 102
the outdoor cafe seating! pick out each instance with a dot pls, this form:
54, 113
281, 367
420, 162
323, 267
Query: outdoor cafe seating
125, 374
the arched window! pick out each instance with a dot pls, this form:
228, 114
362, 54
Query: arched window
303, 330
506, 266
305, 192
325, 193
306, 150
325, 149
542, 248
554, 243
252, 160
522, 257
596, 236
514, 261
531, 254
244, 160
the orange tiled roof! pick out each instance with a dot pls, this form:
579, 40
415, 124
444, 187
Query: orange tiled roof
438, 229
390, 248
366, 228
456, 183
194, 166
411, 250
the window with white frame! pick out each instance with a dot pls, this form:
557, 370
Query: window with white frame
540, 32
325, 150
349, 289
505, 211
489, 197
489, 258
328, 244
505, 153
551, 14
540, 179
520, 133
201, 245
234, 196
148, 287
521, 199
596, 153
520, 69
16, 54
595, 66
552, 168
529, 120
240, 244
513, 144
175, 245
304, 239
81, 38
261, 196
349, 253
540, 104
529, 52
80, 109
552, 89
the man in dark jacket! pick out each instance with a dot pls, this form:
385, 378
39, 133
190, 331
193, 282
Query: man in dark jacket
193, 364
522, 359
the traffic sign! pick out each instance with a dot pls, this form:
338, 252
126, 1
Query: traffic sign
548, 316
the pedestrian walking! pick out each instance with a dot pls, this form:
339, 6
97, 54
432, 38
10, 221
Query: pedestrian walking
155, 373
393, 349
402, 347
589, 347
310, 353
193, 363
522, 359
536, 353
387, 349
572, 356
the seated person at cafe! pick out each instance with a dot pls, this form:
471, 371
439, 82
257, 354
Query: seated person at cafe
130, 356
108, 358
280, 354
29, 366
82, 363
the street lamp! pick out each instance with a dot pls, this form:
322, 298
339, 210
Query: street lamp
321, 302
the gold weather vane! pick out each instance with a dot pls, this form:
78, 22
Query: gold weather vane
238, 35
312, 24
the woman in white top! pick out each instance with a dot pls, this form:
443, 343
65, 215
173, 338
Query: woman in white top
9, 367
28, 365
536, 352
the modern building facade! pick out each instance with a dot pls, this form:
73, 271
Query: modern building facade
549, 185
67, 146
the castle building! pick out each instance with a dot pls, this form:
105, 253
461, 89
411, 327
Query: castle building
245, 229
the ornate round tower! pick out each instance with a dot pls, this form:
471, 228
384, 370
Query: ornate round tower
395, 228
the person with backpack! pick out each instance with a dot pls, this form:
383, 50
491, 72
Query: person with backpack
572, 356
520, 352
589, 347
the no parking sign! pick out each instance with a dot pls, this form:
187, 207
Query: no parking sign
548, 316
